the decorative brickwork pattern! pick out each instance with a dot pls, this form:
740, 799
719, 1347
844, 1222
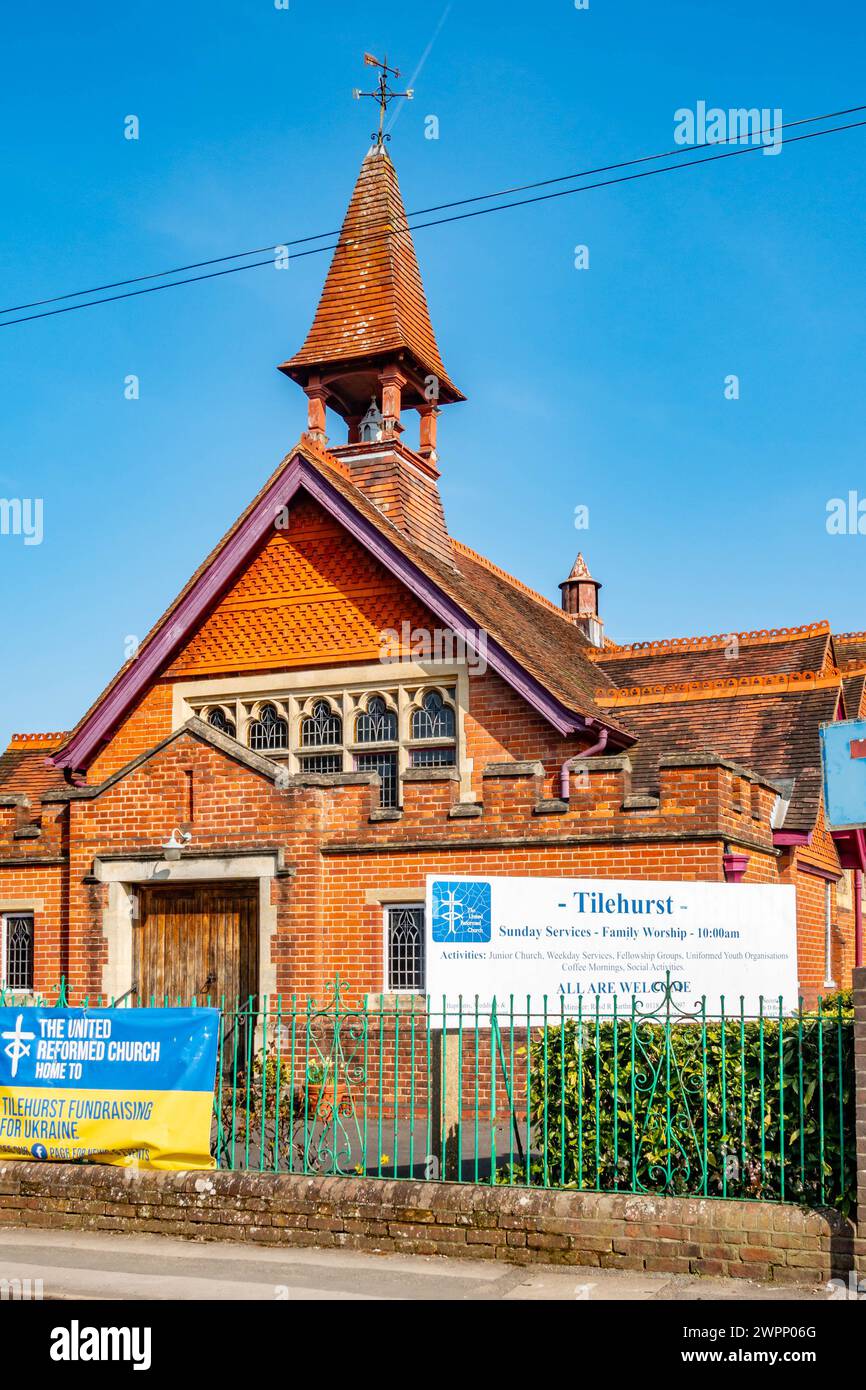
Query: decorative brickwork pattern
312, 597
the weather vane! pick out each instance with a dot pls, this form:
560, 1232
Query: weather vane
383, 94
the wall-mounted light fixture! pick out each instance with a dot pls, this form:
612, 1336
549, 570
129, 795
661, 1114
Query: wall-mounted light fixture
175, 843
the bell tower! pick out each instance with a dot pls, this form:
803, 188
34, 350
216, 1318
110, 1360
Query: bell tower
371, 355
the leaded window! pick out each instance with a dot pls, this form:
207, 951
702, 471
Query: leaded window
395, 726
269, 733
377, 723
322, 762
386, 766
434, 719
18, 951
405, 947
434, 757
323, 728
218, 719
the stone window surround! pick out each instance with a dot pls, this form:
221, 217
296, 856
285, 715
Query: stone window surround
29, 907
383, 898
345, 686
124, 876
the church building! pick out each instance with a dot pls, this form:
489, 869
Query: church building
345, 697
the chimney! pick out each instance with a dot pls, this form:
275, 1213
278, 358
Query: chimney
580, 601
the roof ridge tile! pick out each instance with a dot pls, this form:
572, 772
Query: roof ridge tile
517, 583
753, 637
730, 687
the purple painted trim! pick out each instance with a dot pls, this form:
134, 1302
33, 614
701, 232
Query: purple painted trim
815, 872
792, 837
851, 848
735, 866
216, 578
190, 611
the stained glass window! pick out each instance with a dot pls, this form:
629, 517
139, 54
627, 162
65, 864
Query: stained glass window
405, 948
377, 723
434, 719
269, 733
218, 719
323, 728
18, 944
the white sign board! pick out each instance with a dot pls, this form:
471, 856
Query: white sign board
577, 939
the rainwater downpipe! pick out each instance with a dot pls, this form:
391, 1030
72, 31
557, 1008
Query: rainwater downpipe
564, 775
858, 917
829, 982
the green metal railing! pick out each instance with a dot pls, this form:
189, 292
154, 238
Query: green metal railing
659, 1101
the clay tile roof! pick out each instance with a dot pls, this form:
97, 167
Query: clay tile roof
768, 725
529, 627
731, 656
854, 686
24, 768
373, 302
850, 648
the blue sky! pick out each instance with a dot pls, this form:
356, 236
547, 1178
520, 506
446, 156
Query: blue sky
602, 388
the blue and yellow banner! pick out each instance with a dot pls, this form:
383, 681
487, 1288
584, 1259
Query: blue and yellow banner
126, 1086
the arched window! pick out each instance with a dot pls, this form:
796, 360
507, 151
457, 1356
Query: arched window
269, 733
218, 719
323, 728
377, 723
434, 719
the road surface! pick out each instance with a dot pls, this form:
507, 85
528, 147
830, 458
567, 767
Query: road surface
74, 1264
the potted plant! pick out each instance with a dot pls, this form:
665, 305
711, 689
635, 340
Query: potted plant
316, 1080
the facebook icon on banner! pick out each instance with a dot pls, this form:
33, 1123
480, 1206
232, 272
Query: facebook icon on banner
461, 910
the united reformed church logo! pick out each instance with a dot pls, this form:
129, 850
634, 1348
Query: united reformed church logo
461, 911
17, 1043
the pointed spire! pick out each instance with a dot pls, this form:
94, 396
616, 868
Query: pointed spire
372, 334
580, 569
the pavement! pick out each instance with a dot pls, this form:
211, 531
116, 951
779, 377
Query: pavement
93, 1265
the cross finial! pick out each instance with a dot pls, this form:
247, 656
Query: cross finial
383, 93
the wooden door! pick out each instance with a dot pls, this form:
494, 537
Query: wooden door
197, 940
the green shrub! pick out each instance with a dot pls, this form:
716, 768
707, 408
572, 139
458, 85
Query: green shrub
656, 1111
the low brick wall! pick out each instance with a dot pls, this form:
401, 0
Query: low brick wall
752, 1240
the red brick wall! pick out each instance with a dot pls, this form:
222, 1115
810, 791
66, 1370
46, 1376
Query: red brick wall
145, 725
745, 1240
325, 922
45, 884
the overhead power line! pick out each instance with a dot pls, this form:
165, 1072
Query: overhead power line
436, 222
419, 212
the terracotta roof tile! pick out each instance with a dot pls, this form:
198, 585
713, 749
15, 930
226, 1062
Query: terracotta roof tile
711, 658
530, 629
854, 687
373, 302
24, 766
850, 648
772, 732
